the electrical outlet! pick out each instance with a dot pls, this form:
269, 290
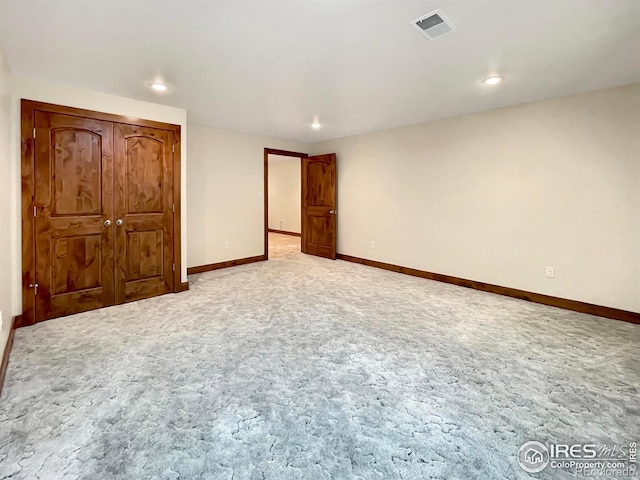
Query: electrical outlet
373, 244
550, 272
226, 244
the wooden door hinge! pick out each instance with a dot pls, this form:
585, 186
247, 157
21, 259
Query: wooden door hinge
173, 208
174, 267
173, 148
34, 132
35, 211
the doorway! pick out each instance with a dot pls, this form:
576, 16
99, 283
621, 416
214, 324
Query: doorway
283, 200
310, 194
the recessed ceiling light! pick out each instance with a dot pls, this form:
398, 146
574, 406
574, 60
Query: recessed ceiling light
316, 125
158, 87
493, 79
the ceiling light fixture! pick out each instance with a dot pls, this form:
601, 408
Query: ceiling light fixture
158, 87
316, 125
493, 79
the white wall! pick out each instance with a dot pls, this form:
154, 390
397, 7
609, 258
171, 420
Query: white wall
284, 193
225, 193
6, 189
29, 89
497, 196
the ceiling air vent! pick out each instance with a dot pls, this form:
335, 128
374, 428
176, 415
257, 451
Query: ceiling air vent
434, 24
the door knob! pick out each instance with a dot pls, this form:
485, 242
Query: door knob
107, 223
119, 222
333, 212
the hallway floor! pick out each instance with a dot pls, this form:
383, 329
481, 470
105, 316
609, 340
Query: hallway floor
283, 245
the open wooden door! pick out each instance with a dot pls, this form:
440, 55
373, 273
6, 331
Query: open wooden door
319, 205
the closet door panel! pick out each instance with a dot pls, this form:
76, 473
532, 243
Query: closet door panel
73, 200
144, 201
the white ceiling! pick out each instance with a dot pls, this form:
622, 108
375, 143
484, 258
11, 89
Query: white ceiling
266, 67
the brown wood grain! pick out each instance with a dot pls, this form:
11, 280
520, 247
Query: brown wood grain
267, 152
146, 288
27, 125
77, 255
319, 198
285, 153
284, 232
7, 352
227, 264
143, 201
73, 198
18, 321
178, 285
574, 305
107, 117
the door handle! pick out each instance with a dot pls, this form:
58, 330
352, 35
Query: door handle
332, 212
107, 223
119, 222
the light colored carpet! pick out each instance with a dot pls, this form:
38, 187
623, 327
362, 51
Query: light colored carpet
306, 368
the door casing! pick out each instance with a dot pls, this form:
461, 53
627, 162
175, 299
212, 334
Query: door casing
267, 152
284, 153
27, 128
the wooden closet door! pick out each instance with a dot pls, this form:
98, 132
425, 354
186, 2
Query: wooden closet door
73, 199
144, 213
